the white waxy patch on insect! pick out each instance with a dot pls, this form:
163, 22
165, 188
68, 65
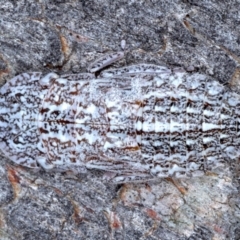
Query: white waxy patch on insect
46, 80
138, 122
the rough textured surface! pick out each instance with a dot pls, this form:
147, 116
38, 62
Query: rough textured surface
65, 36
137, 123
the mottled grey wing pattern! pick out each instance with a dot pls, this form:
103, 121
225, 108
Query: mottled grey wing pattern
140, 122
20, 100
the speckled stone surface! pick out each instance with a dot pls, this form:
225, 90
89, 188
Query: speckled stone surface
65, 37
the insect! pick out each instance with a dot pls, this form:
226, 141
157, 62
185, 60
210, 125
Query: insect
139, 122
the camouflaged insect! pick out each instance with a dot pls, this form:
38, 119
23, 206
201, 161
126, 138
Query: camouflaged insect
138, 122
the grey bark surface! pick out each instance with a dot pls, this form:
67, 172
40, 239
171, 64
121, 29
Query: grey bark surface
65, 37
